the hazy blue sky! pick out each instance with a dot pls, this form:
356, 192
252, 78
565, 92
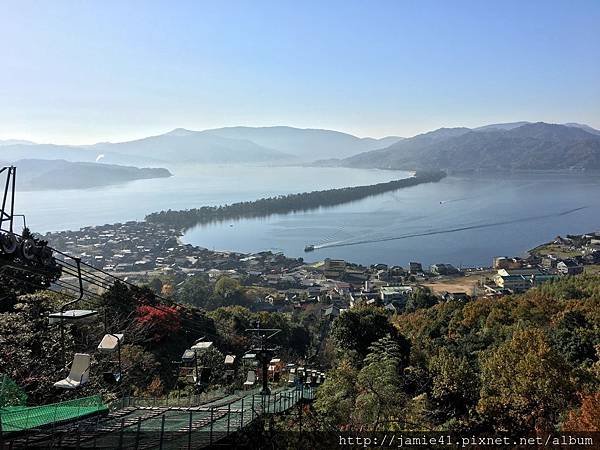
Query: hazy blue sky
83, 71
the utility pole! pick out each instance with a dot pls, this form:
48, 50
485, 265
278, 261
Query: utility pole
263, 352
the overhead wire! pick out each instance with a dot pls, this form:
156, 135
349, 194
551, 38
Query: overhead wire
69, 266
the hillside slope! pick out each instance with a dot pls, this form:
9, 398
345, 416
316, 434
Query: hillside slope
533, 146
306, 144
36, 174
185, 146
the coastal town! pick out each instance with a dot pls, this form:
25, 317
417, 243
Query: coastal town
143, 251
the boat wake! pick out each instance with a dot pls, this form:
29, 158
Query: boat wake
449, 230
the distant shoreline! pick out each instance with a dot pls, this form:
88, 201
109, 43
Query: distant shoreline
451, 172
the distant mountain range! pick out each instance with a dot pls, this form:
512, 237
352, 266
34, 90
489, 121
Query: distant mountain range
185, 146
305, 143
516, 145
36, 174
509, 146
14, 142
217, 146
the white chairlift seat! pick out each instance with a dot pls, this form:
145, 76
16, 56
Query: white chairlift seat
188, 356
251, 379
79, 374
72, 315
110, 342
201, 346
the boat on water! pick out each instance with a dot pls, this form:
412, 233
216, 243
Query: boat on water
309, 248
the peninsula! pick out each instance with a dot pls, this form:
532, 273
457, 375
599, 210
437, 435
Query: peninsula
284, 204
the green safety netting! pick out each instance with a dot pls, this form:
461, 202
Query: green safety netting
18, 418
10, 393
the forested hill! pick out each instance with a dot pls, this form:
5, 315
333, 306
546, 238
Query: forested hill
516, 365
40, 174
286, 203
532, 146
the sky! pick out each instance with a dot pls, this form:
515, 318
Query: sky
82, 71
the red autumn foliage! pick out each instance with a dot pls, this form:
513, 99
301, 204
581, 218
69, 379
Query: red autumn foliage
160, 322
587, 418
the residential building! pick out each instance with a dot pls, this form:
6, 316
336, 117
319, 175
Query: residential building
569, 267
443, 269
388, 294
503, 262
415, 267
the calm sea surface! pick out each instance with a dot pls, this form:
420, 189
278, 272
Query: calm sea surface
463, 220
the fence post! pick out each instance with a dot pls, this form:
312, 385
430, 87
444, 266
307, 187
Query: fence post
121, 433
253, 411
137, 433
190, 431
162, 432
242, 424
212, 411
228, 417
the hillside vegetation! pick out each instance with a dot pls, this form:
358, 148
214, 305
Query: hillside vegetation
521, 364
532, 146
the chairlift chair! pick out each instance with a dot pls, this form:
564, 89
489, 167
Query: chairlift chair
72, 315
188, 367
201, 346
250, 380
79, 373
229, 368
188, 356
301, 374
275, 368
249, 359
109, 344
